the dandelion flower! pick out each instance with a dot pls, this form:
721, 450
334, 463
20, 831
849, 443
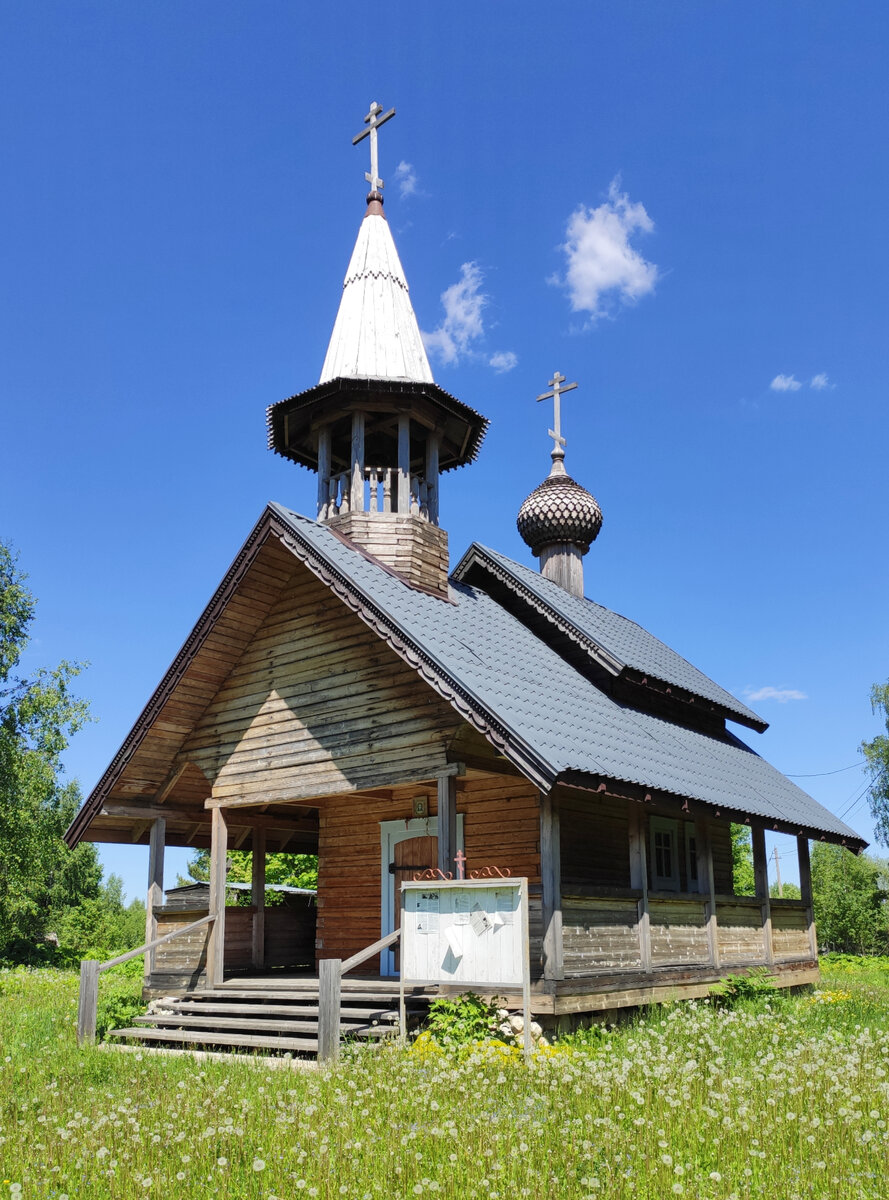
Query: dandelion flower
258, 1164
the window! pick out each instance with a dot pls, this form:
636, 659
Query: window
664, 855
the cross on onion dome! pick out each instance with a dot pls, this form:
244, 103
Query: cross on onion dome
373, 120
556, 383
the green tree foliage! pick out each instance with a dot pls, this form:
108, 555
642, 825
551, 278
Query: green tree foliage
850, 912
789, 891
38, 874
876, 754
292, 870
742, 861
100, 926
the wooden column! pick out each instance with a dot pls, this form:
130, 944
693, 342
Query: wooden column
257, 898
432, 447
218, 855
805, 887
404, 463
357, 489
447, 822
707, 885
323, 471
639, 880
761, 876
551, 877
330, 972
156, 845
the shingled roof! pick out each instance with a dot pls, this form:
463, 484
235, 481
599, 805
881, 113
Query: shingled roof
614, 642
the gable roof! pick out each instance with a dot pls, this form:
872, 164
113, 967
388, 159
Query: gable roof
541, 713
614, 643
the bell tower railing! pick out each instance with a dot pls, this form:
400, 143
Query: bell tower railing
378, 495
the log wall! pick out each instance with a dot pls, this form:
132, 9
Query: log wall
317, 703
501, 828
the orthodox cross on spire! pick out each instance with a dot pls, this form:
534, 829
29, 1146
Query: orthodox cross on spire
558, 385
373, 120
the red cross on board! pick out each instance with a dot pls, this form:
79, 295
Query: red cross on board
460, 860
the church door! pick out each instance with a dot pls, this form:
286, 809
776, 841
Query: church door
410, 857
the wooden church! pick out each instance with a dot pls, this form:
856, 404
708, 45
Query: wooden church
345, 693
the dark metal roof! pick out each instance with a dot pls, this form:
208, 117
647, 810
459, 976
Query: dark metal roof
467, 428
616, 642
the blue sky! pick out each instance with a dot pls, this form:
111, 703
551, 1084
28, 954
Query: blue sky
680, 206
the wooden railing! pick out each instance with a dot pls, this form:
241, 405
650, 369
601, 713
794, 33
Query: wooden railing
330, 974
379, 494
90, 970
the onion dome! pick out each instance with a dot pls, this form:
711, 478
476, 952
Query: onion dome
559, 511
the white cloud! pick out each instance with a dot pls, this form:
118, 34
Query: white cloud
785, 383
406, 178
503, 361
602, 269
820, 382
456, 337
782, 695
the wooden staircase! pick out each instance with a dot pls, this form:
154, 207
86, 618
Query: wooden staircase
275, 1016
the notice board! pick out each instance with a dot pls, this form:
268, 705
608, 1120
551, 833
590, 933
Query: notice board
471, 932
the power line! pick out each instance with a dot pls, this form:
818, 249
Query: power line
820, 774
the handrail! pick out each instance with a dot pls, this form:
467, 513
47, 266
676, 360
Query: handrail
363, 955
330, 975
90, 970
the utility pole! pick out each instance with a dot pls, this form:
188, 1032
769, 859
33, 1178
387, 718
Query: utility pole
778, 873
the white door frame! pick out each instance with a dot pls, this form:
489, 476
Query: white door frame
391, 833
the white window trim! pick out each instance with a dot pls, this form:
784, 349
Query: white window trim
664, 825
391, 833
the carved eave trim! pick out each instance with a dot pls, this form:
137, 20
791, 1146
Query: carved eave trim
469, 706
624, 789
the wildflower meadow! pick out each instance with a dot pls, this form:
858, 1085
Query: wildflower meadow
784, 1097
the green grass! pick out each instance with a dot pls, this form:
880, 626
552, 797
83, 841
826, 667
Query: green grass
780, 1099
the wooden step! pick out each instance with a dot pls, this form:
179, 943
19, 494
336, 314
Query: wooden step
361, 1028
272, 1010
246, 1040
368, 997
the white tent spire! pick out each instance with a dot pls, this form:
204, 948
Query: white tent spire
375, 335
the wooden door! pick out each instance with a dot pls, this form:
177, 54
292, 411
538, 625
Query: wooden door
409, 858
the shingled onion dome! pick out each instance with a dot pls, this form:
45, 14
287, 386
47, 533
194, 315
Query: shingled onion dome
559, 521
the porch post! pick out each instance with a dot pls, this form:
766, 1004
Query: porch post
218, 854
257, 898
551, 878
156, 844
323, 471
707, 884
761, 876
639, 881
447, 822
805, 888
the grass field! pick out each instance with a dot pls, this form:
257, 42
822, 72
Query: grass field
782, 1099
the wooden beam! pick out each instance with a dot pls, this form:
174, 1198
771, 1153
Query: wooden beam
761, 877
432, 480
707, 884
404, 463
639, 879
329, 990
216, 943
155, 897
551, 877
805, 887
145, 813
421, 775
257, 898
323, 471
357, 481
447, 823
169, 783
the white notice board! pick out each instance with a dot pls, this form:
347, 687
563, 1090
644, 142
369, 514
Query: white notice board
472, 932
